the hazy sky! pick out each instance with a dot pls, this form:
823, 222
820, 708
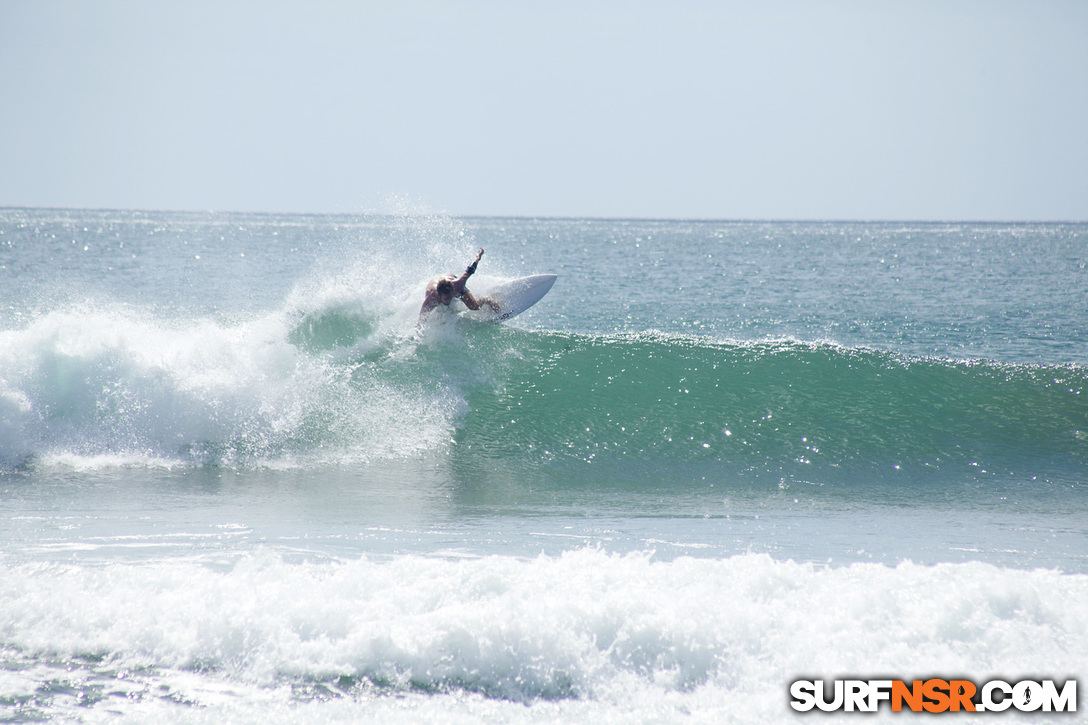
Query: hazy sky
769, 109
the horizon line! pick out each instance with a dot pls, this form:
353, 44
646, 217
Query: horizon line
562, 217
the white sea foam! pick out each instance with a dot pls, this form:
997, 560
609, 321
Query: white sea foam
107, 387
584, 634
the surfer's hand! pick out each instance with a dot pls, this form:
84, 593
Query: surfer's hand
471, 269
495, 307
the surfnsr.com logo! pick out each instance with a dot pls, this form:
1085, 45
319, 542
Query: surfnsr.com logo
934, 695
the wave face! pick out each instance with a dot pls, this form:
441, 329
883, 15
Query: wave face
340, 383
806, 412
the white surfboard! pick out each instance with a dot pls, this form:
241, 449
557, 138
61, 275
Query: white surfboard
514, 297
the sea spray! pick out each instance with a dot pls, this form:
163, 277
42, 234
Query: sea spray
272, 382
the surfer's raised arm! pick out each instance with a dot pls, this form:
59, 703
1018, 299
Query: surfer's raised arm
445, 287
470, 270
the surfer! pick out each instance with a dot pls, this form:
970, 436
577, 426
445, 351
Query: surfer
445, 287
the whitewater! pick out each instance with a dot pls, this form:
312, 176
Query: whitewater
242, 481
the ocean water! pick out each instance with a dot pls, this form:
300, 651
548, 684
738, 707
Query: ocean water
240, 483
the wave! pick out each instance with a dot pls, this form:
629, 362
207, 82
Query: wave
583, 627
339, 378
802, 411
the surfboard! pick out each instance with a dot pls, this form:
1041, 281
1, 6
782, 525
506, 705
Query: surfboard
514, 297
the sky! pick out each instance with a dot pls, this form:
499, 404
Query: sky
844, 109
